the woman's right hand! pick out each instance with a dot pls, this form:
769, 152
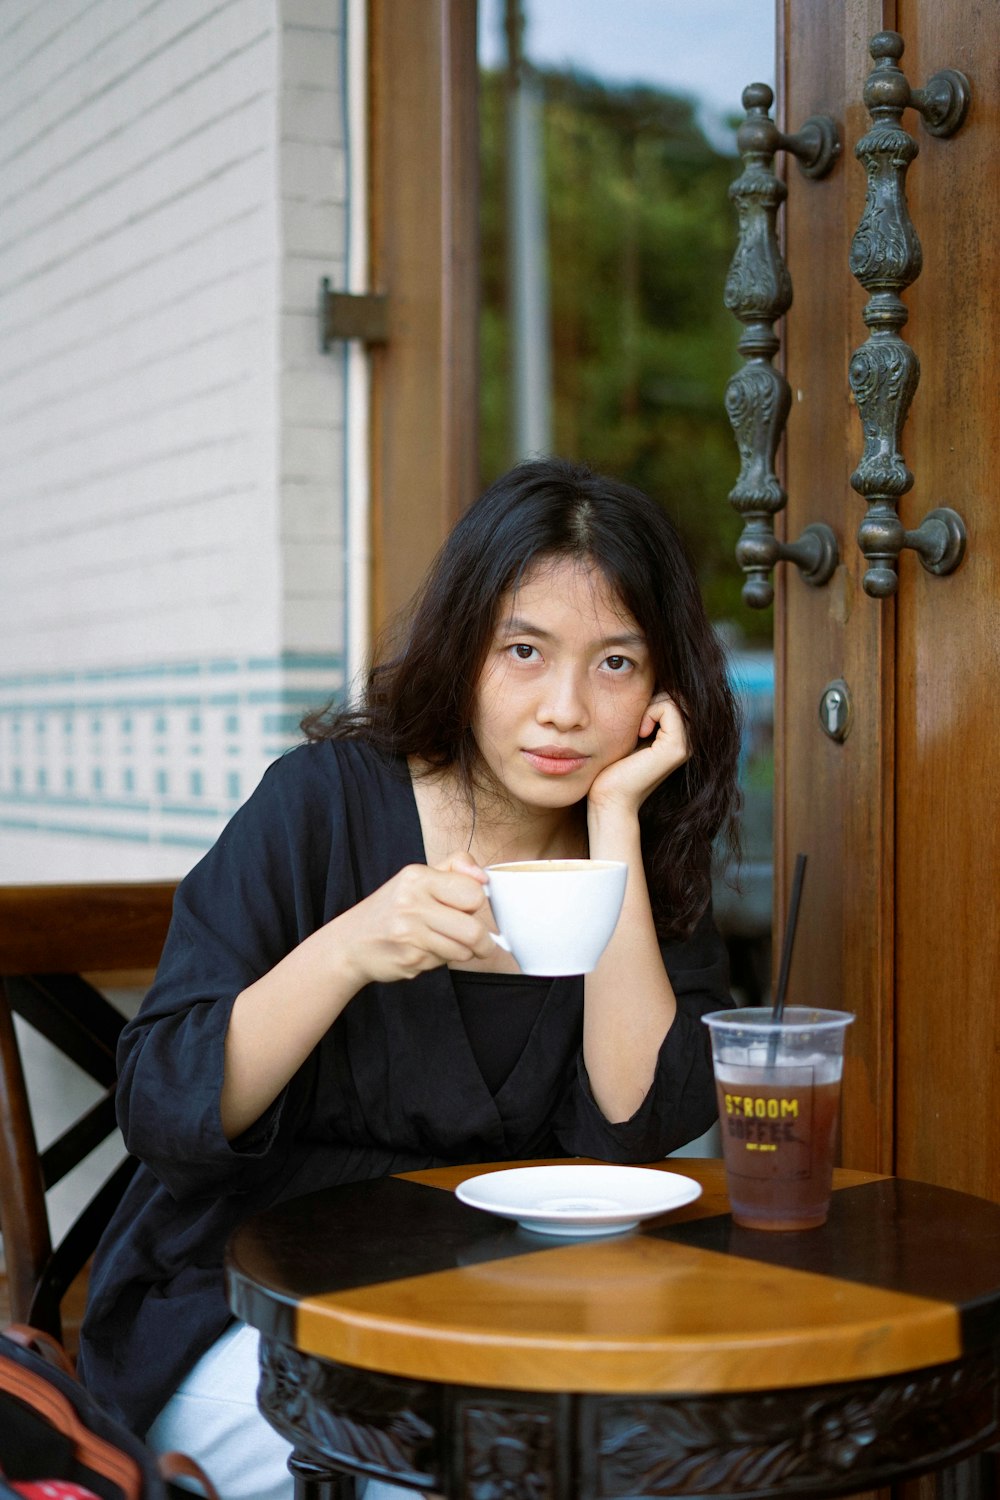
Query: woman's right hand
425, 916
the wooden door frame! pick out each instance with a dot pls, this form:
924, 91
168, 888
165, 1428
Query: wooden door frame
424, 197
842, 795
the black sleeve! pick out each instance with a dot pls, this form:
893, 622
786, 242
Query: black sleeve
252, 899
680, 1104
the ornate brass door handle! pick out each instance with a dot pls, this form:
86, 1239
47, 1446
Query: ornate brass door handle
885, 258
759, 291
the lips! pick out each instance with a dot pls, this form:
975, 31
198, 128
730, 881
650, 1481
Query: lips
554, 760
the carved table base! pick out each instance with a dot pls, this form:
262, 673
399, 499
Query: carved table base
506, 1445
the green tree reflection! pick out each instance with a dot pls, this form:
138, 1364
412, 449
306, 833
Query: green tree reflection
641, 232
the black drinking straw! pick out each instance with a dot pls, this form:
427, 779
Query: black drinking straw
791, 921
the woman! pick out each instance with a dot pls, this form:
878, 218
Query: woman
330, 1004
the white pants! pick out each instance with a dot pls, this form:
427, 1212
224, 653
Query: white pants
213, 1417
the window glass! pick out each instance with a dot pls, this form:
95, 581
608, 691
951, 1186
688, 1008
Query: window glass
608, 146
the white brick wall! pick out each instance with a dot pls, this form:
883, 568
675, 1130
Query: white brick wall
172, 189
313, 176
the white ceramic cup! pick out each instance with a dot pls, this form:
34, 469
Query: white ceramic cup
556, 915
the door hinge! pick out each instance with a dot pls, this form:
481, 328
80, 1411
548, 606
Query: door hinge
352, 315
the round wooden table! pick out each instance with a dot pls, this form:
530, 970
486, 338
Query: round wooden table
409, 1337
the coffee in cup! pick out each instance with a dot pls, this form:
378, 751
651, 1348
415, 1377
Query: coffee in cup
556, 916
778, 1087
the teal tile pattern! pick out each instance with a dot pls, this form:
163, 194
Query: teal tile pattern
161, 753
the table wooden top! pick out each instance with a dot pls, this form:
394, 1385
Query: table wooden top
399, 1276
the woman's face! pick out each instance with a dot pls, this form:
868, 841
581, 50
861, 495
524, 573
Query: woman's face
567, 677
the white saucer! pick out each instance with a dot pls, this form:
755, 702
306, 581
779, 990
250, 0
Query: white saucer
578, 1200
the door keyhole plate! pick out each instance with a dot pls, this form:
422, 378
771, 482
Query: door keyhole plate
835, 710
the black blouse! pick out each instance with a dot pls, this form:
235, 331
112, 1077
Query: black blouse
393, 1086
498, 1012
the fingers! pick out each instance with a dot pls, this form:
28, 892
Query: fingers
438, 913
458, 881
664, 716
463, 863
456, 894
457, 912
662, 747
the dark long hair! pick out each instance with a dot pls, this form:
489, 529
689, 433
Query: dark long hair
420, 696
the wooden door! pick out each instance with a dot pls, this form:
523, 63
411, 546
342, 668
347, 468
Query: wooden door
901, 822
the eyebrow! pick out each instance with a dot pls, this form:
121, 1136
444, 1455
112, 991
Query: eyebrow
518, 625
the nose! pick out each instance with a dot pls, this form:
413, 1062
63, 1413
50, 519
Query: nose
565, 699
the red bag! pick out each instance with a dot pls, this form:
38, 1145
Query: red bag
51, 1489
56, 1443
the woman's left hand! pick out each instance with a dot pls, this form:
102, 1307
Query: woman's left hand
628, 782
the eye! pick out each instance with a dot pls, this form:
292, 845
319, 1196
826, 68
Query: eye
618, 664
522, 651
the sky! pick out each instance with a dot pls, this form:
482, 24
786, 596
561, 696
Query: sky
707, 48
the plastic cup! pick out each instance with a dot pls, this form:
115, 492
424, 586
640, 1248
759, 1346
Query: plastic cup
778, 1087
